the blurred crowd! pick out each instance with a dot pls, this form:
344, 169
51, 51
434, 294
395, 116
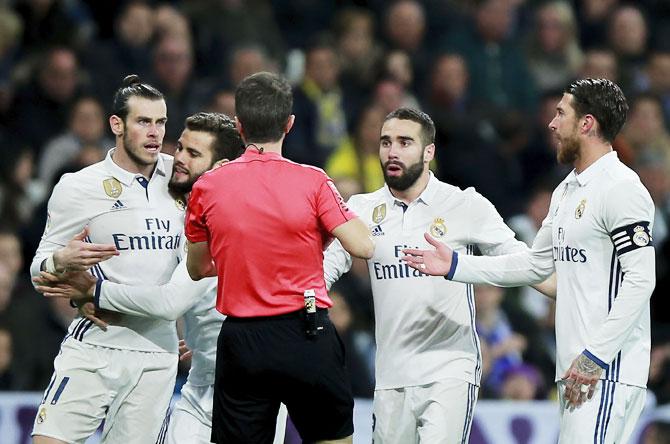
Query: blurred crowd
489, 72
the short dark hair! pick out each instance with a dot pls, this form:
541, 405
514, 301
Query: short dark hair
423, 119
604, 100
263, 104
132, 86
227, 141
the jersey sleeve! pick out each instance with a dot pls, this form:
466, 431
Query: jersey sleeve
524, 267
628, 215
65, 218
168, 301
489, 232
336, 262
195, 224
331, 209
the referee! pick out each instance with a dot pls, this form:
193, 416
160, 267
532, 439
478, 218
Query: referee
260, 223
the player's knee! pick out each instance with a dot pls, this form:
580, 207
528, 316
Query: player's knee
38, 439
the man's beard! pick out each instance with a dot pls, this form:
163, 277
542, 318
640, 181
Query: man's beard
568, 150
132, 154
408, 177
181, 187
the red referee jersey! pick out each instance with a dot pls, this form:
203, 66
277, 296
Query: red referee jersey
267, 221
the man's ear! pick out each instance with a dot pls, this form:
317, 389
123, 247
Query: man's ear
238, 127
218, 163
116, 124
289, 123
429, 153
589, 124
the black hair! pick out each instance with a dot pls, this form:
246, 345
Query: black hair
423, 119
132, 86
604, 100
263, 104
227, 141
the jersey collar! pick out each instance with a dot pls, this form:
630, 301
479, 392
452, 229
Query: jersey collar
595, 168
126, 177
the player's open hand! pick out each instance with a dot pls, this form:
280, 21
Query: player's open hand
76, 285
435, 262
79, 255
580, 381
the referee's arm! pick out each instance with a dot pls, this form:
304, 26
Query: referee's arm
199, 261
356, 238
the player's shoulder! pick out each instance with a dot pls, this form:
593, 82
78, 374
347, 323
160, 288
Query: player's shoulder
85, 176
363, 201
459, 196
619, 172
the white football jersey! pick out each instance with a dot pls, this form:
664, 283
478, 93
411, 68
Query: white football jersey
425, 325
142, 220
596, 237
194, 300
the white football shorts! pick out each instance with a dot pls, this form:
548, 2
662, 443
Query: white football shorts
130, 390
438, 412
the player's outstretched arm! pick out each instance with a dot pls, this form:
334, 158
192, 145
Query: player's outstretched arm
168, 301
548, 287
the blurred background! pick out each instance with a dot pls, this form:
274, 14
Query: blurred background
489, 72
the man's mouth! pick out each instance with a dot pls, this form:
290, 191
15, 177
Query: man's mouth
394, 168
152, 147
179, 172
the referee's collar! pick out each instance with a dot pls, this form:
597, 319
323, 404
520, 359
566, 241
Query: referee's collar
427, 196
126, 177
595, 168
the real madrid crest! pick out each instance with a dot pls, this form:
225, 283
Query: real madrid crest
112, 187
640, 236
179, 202
42, 415
438, 228
379, 213
579, 211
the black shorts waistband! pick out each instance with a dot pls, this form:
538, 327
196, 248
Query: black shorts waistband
299, 314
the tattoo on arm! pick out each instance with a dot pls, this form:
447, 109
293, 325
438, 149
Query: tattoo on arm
587, 366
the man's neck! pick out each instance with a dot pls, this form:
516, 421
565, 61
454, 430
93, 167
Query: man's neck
412, 193
590, 152
267, 147
121, 158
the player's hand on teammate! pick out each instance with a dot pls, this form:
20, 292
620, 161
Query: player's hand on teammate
580, 381
76, 285
87, 310
185, 353
435, 262
79, 255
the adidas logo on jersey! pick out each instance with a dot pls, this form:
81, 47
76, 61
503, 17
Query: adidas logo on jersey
118, 205
377, 231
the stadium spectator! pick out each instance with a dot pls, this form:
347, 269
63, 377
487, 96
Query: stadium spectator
86, 127
320, 107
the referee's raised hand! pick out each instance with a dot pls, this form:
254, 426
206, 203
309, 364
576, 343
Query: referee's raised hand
435, 262
79, 255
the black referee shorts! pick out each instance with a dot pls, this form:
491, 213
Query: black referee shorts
261, 362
